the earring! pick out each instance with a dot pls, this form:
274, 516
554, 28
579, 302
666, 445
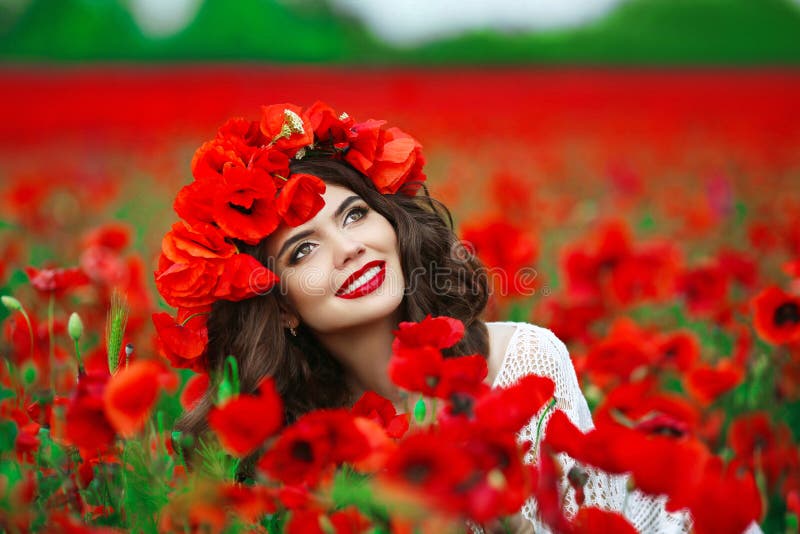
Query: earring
293, 331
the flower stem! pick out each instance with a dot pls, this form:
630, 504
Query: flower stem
50, 333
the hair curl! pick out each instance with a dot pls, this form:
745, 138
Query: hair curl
306, 375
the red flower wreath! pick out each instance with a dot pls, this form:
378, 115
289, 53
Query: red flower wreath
243, 190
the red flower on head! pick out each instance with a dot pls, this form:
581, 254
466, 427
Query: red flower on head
132, 393
194, 203
300, 199
777, 316
244, 422
287, 127
327, 124
245, 206
364, 138
185, 243
187, 285
390, 158
56, 281
213, 157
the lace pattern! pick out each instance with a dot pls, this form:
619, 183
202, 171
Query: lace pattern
536, 350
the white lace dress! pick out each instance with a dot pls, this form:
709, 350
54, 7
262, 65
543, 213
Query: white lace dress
536, 350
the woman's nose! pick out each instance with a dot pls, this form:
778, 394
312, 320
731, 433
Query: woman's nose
346, 249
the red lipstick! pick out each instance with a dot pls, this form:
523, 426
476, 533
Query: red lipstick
369, 285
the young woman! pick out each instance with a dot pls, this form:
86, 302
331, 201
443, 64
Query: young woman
345, 244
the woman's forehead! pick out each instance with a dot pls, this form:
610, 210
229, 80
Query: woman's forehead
334, 195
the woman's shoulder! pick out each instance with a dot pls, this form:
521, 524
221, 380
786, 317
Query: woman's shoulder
516, 345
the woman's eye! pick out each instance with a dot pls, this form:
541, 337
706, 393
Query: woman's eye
355, 214
302, 251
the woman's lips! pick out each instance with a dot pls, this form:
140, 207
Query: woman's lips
364, 281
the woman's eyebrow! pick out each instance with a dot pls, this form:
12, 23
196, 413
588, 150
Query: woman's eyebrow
302, 235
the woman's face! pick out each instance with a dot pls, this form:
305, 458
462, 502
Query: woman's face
342, 268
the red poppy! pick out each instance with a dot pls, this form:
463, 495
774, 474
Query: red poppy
622, 352
758, 443
617, 449
244, 422
349, 521
706, 382
593, 520
647, 273
572, 319
509, 409
273, 162
647, 410
426, 371
439, 332
86, 425
776, 315
210, 160
327, 124
113, 236
300, 199
312, 445
56, 281
678, 351
131, 394
249, 502
588, 265
382, 411
185, 243
508, 251
546, 491
182, 343
740, 266
705, 288
287, 127
500, 482
243, 134
724, 489
245, 205
390, 158
432, 464
194, 390
199, 283
194, 203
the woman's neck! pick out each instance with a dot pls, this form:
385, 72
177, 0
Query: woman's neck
365, 352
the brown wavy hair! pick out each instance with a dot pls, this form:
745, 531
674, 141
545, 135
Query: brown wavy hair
306, 375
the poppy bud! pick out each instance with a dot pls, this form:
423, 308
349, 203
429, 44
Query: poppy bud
75, 326
11, 303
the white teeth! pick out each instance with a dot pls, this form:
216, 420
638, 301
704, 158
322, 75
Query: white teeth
361, 280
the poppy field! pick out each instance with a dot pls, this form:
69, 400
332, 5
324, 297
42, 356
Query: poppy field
651, 219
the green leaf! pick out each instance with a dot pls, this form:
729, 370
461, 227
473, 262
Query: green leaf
420, 410
8, 435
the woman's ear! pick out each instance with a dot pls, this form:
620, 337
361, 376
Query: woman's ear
289, 318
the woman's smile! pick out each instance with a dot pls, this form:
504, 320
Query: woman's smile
364, 281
